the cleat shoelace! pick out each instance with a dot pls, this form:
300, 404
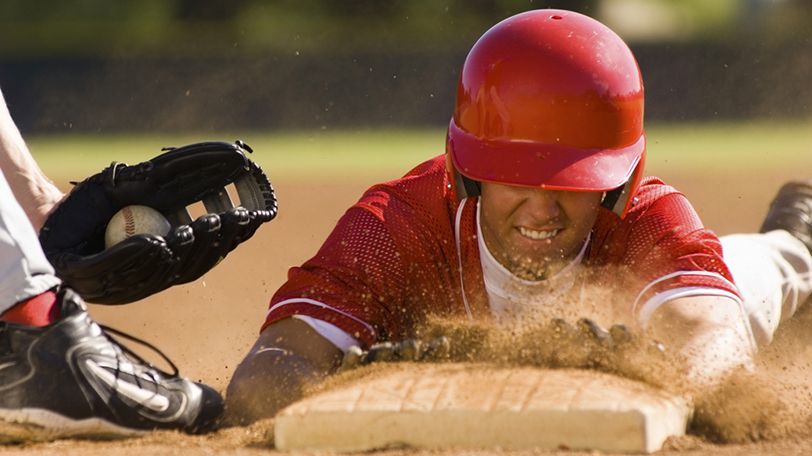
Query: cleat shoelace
111, 332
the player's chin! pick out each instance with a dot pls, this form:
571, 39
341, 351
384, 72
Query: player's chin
547, 256
536, 259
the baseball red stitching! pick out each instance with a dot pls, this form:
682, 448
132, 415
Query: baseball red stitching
129, 223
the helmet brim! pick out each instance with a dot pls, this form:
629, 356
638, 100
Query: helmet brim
549, 166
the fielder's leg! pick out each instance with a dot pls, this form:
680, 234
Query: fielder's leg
24, 270
63, 376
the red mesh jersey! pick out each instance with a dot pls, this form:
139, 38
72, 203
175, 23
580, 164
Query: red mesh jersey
408, 249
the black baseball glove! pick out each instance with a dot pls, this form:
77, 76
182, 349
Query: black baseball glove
144, 264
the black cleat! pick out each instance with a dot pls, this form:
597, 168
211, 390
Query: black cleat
791, 210
71, 379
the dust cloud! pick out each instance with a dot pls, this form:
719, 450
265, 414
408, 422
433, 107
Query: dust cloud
774, 401
769, 403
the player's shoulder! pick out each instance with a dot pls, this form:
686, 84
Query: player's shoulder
424, 188
653, 191
653, 187
653, 200
430, 175
660, 212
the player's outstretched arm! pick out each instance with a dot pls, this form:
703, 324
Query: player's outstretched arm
31, 187
708, 332
287, 356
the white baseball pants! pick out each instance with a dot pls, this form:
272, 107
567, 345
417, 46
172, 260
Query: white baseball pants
773, 272
24, 271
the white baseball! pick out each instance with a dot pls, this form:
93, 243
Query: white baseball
132, 220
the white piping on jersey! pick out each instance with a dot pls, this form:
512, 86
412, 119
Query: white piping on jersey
654, 303
459, 256
660, 299
677, 274
322, 305
340, 338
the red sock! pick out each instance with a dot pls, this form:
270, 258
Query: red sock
37, 311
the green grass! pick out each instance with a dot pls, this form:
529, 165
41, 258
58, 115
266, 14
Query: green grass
729, 147
718, 147
318, 153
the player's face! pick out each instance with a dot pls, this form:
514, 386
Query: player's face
535, 232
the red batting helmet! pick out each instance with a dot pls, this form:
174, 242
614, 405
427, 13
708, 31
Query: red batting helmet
550, 99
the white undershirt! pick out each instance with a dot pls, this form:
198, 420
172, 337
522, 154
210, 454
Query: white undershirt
512, 298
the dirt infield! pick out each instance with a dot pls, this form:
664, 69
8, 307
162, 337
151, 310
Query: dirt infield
207, 326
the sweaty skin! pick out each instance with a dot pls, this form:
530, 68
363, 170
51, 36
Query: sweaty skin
534, 232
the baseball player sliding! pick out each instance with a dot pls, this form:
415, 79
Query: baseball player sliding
541, 187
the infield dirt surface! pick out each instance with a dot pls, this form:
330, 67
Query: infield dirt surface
207, 326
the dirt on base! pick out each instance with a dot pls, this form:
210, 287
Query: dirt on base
207, 326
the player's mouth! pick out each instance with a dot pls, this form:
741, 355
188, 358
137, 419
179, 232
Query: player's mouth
538, 234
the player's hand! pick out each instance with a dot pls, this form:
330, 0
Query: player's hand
587, 330
144, 264
437, 349
588, 344
618, 350
615, 336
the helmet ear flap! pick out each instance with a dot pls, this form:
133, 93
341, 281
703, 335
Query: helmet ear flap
611, 197
462, 186
621, 199
616, 200
472, 187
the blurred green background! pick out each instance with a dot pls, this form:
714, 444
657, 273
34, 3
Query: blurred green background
318, 86
718, 148
174, 27
200, 66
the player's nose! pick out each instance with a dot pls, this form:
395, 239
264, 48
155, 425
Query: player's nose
543, 204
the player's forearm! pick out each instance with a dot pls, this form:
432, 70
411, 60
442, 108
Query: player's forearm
266, 382
709, 335
32, 189
713, 354
287, 357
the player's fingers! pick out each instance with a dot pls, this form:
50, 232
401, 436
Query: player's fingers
620, 334
380, 352
436, 349
595, 331
561, 329
352, 358
408, 350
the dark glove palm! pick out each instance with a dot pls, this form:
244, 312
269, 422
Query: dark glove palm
141, 265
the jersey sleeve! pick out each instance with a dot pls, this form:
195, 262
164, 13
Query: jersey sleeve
668, 253
347, 282
380, 272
